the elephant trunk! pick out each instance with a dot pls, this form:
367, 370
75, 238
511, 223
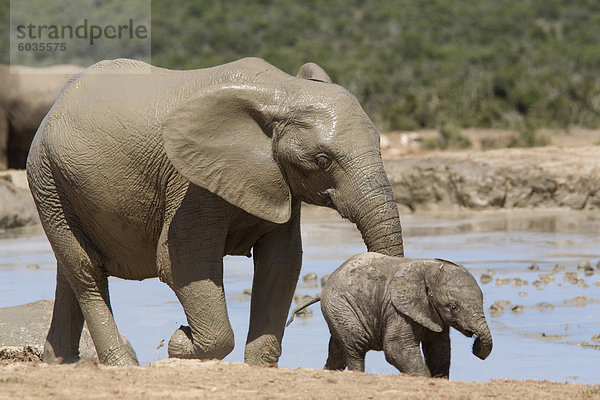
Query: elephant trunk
376, 213
381, 230
482, 347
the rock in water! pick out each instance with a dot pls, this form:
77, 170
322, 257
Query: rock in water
23, 331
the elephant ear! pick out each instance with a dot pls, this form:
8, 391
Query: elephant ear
220, 139
410, 296
313, 72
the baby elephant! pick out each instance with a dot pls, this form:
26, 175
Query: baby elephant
378, 302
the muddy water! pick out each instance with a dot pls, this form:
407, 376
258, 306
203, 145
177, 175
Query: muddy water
543, 320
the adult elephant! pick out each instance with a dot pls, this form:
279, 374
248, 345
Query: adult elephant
140, 172
26, 95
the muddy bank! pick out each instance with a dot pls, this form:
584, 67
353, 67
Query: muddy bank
178, 379
23, 331
544, 177
16, 204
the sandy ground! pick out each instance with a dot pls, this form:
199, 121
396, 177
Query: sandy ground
182, 379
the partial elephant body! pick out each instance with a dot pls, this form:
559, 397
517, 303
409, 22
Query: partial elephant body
121, 117
27, 96
138, 175
378, 302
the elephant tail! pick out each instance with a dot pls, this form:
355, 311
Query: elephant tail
315, 299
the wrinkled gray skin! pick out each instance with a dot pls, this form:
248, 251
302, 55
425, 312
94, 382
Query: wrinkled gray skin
140, 175
378, 302
26, 96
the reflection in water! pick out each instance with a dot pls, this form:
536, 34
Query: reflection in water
549, 336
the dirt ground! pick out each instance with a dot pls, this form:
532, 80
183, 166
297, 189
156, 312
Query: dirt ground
183, 379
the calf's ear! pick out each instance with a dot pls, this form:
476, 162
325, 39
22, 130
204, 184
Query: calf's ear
410, 296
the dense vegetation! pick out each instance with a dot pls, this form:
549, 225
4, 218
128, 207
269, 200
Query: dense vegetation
516, 64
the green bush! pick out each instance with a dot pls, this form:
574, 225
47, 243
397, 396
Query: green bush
411, 63
449, 137
528, 137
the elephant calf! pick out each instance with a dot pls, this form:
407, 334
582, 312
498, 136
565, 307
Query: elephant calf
379, 302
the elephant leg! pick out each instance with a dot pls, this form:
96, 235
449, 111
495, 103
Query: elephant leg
62, 342
436, 349
403, 350
356, 364
336, 359
90, 287
407, 359
209, 334
82, 287
353, 349
112, 348
191, 256
277, 263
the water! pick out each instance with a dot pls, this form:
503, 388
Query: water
550, 339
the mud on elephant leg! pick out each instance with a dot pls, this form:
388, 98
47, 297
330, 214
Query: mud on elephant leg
111, 345
194, 272
402, 352
209, 334
264, 350
79, 294
63, 339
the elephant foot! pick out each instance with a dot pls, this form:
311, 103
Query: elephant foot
122, 354
67, 357
117, 356
181, 344
263, 351
49, 356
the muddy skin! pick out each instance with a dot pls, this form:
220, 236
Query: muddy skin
224, 158
324, 279
377, 302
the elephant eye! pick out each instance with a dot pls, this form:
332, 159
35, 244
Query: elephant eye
453, 307
323, 161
